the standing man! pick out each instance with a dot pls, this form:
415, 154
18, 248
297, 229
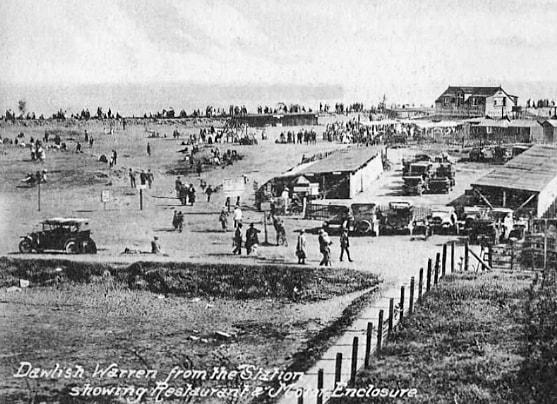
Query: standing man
209, 191
114, 157
237, 244
325, 248
178, 186
143, 177
191, 194
301, 248
227, 203
148, 149
237, 216
223, 219
150, 178
132, 178
252, 240
199, 168
344, 244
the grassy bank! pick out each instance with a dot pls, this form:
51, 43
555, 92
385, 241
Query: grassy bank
464, 344
91, 314
224, 280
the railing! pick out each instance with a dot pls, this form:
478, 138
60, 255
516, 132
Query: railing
388, 323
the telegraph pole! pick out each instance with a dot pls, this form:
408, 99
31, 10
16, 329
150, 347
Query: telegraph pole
39, 193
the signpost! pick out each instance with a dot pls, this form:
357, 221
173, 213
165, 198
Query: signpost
265, 207
105, 197
141, 187
39, 193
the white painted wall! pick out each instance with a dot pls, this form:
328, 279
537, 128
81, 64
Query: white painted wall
361, 179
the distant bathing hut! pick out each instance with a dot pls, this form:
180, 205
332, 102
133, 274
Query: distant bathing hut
282, 119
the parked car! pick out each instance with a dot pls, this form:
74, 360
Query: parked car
407, 161
342, 217
396, 217
415, 185
484, 232
60, 234
366, 218
359, 218
443, 220
439, 185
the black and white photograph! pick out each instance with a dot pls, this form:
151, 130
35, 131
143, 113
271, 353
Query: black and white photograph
278, 202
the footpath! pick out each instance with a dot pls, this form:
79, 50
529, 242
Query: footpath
387, 305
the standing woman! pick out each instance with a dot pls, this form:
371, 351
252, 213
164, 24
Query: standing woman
301, 248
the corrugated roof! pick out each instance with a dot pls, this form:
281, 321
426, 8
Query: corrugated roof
532, 170
349, 159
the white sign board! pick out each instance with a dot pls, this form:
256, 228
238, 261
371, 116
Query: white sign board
141, 186
233, 186
265, 206
105, 196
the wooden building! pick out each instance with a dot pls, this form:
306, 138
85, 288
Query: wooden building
506, 131
340, 175
528, 182
467, 102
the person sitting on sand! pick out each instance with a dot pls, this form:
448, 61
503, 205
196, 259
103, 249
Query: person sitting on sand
155, 246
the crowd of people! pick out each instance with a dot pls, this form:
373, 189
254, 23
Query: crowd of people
300, 137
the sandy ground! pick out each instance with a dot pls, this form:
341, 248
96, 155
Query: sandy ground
76, 180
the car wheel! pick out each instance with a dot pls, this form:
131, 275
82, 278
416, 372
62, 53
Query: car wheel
25, 246
71, 247
363, 227
91, 247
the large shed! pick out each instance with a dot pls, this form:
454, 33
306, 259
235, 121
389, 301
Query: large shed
527, 182
340, 175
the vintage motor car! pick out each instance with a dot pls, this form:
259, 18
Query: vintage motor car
397, 217
443, 220
439, 185
359, 218
417, 158
60, 234
414, 185
483, 232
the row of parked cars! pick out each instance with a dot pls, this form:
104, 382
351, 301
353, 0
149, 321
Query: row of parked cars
481, 225
396, 217
425, 174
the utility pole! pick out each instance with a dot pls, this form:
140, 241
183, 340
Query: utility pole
39, 192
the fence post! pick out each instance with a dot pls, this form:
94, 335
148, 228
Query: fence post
401, 304
338, 368
512, 255
444, 261
354, 364
411, 301
428, 280
391, 316
368, 344
379, 333
490, 255
452, 257
436, 274
301, 396
420, 284
466, 248
320, 386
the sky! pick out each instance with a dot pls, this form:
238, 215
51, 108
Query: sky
409, 50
